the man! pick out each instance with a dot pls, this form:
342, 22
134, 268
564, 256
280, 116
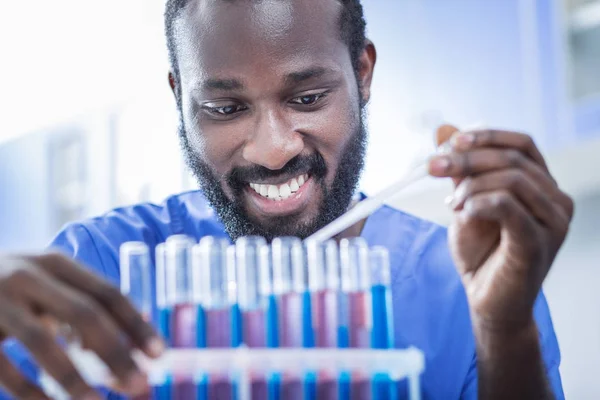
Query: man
271, 96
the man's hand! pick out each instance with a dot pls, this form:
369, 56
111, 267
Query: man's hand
51, 287
510, 219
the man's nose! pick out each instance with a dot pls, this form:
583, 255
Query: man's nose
274, 142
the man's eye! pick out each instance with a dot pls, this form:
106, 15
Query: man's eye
309, 99
226, 110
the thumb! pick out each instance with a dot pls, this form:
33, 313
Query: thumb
443, 135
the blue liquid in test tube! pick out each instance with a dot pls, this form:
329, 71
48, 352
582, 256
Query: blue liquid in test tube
162, 305
162, 390
382, 333
211, 289
253, 293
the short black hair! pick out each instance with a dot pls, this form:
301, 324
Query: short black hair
352, 25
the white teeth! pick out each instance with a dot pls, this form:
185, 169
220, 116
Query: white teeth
294, 185
280, 192
285, 191
273, 192
263, 190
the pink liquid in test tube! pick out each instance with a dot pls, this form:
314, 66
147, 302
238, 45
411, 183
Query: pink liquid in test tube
354, 259
254, 328
323, 270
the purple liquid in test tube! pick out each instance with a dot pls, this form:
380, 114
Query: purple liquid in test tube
179, 296
211, 289
253, 289
354, 259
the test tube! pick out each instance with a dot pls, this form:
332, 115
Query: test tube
162, 305
210, 273
323, 272
382, 332
236, 315
320, 258
135, 280
253, 290
290, 285
354, 258
252, 285
179, 296
135, 276
164, 314
355, 282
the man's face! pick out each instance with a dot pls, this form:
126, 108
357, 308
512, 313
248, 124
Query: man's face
271, 112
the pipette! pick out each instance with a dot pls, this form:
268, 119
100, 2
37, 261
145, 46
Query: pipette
371, 204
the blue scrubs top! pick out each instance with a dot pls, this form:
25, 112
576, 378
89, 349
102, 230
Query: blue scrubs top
429, 303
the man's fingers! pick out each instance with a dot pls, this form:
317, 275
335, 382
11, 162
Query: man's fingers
96, 329
16, 384
502, 207
478, 139
18, 322
460, 165
141, 333
521, 185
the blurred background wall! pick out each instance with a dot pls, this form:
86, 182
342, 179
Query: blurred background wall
87, 121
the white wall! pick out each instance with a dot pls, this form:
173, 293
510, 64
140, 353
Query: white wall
573, 291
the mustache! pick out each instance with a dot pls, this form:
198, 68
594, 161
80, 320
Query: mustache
313, 164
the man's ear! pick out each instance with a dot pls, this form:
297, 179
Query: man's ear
366, 66
174, 85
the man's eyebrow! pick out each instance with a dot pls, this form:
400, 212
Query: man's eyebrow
222, 84
306, 74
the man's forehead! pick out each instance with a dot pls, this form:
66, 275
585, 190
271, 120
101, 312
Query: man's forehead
212, 34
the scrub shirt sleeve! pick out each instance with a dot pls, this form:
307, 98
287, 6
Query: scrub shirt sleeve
74, 241
549, 348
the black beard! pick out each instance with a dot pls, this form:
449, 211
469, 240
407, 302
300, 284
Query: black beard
336, 199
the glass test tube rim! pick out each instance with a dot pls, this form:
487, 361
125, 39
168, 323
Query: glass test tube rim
161, 275
127, 251
288, 263
355, 274
173, 245
205, 274
258, 246
380, 267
